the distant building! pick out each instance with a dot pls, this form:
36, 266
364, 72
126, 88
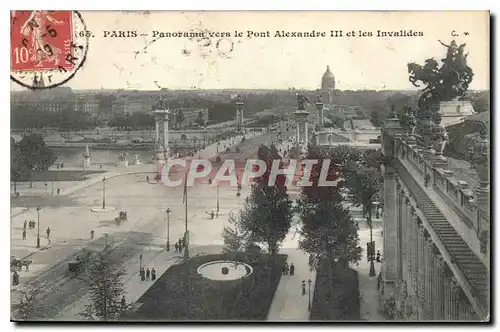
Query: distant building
327, 86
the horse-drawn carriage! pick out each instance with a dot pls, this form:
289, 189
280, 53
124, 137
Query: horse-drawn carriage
80, 262
17, 264
122, 216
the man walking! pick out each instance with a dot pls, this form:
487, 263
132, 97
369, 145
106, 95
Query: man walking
153, 274
292, 269
48, 232
143, 276
92, 234
24, 234
303, 287
147, 274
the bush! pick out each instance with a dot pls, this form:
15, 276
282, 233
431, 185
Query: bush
336, 299
182, 294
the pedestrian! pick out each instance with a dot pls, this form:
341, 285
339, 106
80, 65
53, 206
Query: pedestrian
153, 274
123, 302
292, 269
147, 179
287, 268
212, 215
143, 274
92, 234
58, 191
25, 223
24, 234
48, 232
176, 247
147, 274
303, 287
15, 279
378, 256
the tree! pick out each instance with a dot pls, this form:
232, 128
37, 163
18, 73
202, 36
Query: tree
17, 167
29, 307
441, 83
267, 214
34, 156
104, 279
328, 231
364, 179
236, 237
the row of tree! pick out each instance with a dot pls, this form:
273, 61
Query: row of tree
28, 157
23, 117
328, 232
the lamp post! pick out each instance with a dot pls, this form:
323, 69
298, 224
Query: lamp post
168, 228
217, 197
140, 263
104, 193
372, 245
38, 208
309, 293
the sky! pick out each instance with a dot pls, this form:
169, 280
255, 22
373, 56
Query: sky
359, 62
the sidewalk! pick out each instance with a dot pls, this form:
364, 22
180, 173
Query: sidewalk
289, 304
370, 307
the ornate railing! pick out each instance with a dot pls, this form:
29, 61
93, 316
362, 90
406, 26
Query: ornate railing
455, 193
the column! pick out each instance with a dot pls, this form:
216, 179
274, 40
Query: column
440, 286
390, 225
414, 249
298, 132
157, 131
448, 310
420, 268
322, 118
428, 277
455, 297
165, 132
306, 133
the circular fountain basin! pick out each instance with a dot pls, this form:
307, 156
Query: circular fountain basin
224, 270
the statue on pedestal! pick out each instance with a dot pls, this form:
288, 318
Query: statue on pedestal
301, 102
440, 135
427, 131
442, 83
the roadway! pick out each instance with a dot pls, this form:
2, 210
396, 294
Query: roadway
70, 219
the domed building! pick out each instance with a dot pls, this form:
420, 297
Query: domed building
328, 85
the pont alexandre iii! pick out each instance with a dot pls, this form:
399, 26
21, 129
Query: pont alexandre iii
437, 224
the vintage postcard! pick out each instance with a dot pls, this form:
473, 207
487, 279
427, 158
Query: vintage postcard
250, 166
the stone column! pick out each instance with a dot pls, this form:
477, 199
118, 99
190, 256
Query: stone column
414, 249
319, 113
157, 131
390, 228
448, 290
306, 133
428, 277
165, 134
421, 268
298, 133
440, 286
239, 114
455, 297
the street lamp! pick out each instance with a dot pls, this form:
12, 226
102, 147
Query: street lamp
309, 283
104, 193
372, 245
168, 228
38, 208
217, 197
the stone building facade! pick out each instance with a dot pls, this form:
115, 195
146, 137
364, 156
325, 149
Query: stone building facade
436, 230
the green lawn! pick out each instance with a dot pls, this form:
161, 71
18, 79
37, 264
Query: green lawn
182, 294
340, 301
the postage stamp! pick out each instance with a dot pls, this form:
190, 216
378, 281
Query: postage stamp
47, 47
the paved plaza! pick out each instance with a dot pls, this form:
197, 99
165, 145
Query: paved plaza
71, 221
